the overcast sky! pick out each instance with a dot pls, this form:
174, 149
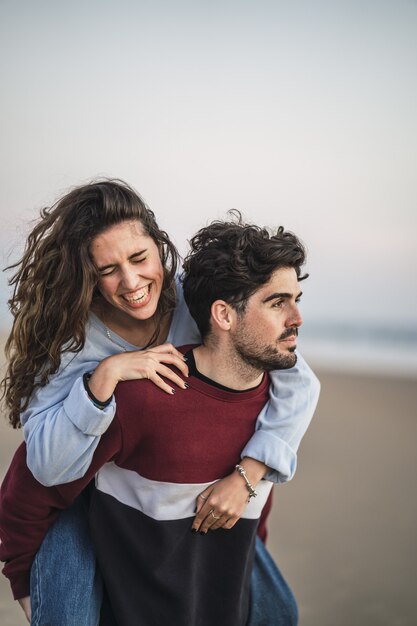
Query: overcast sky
298, 113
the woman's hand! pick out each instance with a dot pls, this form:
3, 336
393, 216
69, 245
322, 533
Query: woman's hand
221, 504
150, 364
25, 604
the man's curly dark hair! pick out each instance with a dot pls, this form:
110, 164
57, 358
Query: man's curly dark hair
231, 260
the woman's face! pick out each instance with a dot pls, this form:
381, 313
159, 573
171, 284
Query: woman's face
130, 269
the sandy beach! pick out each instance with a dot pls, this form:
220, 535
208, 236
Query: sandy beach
344, 530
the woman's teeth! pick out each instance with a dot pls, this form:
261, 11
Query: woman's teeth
138, 296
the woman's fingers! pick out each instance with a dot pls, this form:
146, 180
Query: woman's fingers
138, 364
157, 367
212, 519
202, 498
152, 359
221, 504
216, 519
168, 347
166, 372
178, 358
152, 364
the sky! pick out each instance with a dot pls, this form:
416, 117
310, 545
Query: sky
298, 113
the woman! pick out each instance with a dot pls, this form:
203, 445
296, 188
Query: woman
97, 282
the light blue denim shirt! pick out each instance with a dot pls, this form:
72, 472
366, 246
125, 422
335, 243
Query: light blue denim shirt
62, 427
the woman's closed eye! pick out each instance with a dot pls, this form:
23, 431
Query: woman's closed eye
107, 271
137, 260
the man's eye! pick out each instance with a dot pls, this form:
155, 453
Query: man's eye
278, 305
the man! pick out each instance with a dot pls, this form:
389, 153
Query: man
160, 453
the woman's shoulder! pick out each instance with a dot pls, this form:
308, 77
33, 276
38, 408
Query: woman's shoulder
183, 328
95, 347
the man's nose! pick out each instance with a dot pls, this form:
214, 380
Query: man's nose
295, 319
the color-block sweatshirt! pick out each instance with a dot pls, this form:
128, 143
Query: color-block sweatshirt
158, 454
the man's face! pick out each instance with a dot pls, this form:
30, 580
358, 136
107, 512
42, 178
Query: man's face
265, 335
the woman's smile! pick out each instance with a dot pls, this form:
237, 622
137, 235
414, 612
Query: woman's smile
130, 269
140, 297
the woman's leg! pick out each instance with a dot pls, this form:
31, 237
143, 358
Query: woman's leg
272, 601
66, 588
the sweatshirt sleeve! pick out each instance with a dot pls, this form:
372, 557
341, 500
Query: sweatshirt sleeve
62, 426
281, 425
27, 509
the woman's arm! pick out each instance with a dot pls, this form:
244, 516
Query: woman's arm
281, 425
62, 427
293, 397
63, 424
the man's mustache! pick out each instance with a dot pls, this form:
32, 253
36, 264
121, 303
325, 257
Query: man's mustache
290, 332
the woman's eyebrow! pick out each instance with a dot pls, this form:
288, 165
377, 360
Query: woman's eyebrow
138, 253
132, 256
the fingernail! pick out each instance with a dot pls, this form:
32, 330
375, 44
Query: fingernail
172, 390
194, 530
186, 386
202, 533
185, 358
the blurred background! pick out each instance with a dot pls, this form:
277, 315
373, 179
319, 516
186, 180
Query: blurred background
301, 114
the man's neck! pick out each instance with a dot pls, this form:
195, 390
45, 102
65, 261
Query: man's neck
226, 368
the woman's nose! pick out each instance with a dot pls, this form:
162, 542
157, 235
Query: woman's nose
130, 278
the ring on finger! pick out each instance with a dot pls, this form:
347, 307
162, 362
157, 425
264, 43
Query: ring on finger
214, 516
202, 497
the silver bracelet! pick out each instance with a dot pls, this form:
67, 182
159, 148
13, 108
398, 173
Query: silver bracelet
252, 492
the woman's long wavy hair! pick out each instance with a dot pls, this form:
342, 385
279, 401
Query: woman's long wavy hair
55, 283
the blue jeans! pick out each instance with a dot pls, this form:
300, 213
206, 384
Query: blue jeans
272, 601
66, 588
65, 585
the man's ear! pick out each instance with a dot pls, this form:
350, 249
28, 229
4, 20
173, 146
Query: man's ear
222, 315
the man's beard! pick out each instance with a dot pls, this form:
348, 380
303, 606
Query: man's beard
265, 358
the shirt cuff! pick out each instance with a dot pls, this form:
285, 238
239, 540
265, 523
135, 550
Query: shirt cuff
275, 453
88, 418
98, 403
20, 584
